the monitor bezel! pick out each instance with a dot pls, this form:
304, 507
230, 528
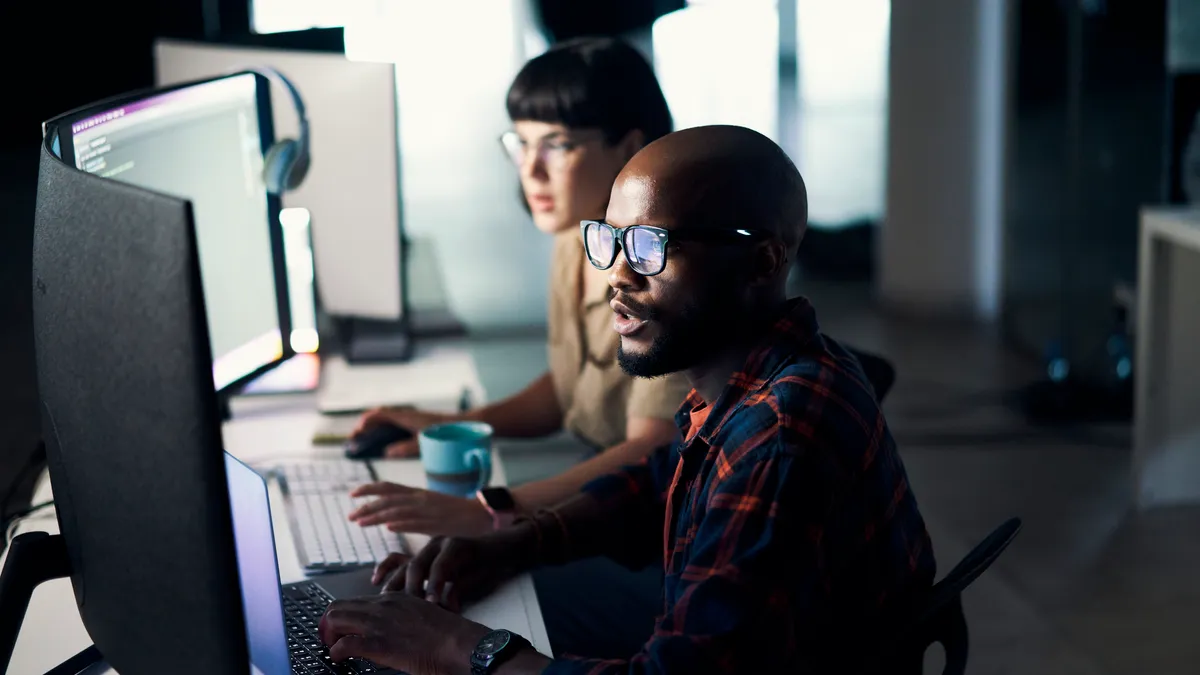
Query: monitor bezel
266, 129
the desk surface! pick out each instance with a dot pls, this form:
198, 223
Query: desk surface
1166, 443
1180, 225
264, 431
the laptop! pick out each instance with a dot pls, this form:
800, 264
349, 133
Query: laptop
281, 620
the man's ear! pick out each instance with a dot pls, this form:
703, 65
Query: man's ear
770, 261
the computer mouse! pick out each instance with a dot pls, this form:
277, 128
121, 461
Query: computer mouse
371, 443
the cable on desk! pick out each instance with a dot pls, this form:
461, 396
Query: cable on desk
10, 525
34, 463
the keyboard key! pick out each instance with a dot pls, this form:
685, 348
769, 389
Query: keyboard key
319, 501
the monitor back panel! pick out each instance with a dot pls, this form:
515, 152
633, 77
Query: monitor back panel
131, 424
352, 190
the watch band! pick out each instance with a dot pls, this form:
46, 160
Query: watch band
484, 660
500, 518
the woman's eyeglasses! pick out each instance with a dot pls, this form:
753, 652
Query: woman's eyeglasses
645, 246
552, 151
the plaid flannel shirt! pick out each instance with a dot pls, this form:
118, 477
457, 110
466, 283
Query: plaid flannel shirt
790, 539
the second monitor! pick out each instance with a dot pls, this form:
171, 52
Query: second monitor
206, 143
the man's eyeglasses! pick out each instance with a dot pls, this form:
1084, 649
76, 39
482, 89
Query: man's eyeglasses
645, 246
551, 150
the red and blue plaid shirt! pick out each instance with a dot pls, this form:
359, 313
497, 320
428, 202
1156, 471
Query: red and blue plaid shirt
792, 541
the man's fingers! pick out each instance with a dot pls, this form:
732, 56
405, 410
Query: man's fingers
395, 583
439, 576
403, 449
380, 489
343, 617
418, 570
386, 566
451, 598
370, 648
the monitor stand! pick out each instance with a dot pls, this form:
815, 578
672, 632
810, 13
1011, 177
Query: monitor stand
372, 341
33, 558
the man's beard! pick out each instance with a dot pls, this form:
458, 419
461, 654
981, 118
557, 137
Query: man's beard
696, 335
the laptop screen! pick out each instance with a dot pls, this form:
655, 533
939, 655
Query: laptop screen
257, 569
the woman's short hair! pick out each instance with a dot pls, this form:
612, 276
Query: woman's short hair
592, 83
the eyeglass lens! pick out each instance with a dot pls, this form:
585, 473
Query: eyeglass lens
643, 249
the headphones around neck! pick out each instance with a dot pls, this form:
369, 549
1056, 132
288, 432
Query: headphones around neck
286, 162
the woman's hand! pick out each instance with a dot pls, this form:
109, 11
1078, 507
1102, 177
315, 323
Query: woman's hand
407, 418
417, 511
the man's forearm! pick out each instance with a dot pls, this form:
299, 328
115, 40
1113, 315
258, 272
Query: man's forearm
581, 527
550, 491
530, 413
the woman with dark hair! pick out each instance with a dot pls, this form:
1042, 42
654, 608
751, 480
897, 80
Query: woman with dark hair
579, 112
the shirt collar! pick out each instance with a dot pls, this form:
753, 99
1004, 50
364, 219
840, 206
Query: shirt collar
793, 331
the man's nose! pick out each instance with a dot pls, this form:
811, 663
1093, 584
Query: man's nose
621, 276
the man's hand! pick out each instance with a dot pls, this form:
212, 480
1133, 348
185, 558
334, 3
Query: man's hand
409, 418
401, 632
451, 572
406, 509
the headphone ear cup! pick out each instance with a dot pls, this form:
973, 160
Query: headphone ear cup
277, 166
299, 170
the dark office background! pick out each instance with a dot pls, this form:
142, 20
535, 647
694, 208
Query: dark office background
1093, 136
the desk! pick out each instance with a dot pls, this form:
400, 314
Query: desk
1166, 451
264, 430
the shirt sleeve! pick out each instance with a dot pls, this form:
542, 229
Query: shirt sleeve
658, 397
736, 597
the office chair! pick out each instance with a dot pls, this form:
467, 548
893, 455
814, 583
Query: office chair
940, 618
879, 371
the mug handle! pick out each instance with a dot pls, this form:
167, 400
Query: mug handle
483, 460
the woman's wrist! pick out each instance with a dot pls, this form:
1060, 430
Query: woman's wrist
472, 415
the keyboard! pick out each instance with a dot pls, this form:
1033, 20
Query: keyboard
303, 605
317, 495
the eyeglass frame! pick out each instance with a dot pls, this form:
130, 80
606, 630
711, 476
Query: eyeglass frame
664, 236
540, 149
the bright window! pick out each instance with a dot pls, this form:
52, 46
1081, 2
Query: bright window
718, 63
842, 54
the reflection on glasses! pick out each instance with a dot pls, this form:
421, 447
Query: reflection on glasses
645, 246
551, 151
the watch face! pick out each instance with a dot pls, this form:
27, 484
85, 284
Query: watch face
499, 499
493, 642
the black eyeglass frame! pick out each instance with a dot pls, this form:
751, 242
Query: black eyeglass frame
738, 236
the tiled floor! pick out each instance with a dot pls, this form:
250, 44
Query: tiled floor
1089, 587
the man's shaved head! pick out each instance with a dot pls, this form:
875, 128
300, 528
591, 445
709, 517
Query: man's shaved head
722, 177
715, 287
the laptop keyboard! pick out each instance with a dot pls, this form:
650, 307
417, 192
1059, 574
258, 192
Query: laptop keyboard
303, 606
319, 502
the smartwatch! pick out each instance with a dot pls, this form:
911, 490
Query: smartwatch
495, 648
500, 503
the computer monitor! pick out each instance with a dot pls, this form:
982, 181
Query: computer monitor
133, 439
352, 192
206, 142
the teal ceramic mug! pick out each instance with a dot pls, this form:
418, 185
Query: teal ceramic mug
457, 457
